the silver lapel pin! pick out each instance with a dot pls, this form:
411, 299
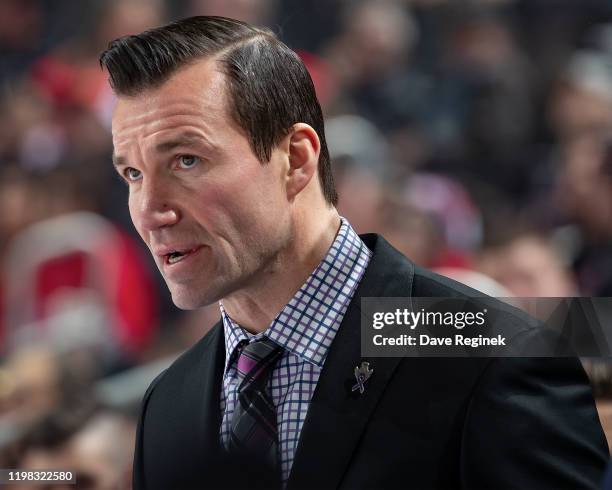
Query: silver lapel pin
362, 374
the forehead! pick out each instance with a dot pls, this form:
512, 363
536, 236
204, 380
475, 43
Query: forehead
195, 91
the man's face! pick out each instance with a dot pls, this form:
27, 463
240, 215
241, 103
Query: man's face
212, 215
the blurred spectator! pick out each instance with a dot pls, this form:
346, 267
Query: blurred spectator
411, 230
582, 99
255, 12
362, 169
371, 58
528, 266
70, 277
476, 280
376, 40
584, 195
21, 29
35, 383
452, 210
98, 450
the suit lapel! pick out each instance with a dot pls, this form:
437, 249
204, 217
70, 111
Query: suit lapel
337, 416
209, 378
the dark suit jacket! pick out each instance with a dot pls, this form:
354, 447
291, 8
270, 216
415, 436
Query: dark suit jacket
421, 423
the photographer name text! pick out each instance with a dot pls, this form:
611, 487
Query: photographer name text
423, 340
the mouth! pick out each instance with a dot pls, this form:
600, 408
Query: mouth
176, 256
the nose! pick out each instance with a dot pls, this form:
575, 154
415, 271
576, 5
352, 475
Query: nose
151, 206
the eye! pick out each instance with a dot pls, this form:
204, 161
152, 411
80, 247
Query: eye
131, 174
188, 161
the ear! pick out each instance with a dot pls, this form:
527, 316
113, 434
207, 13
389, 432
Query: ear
303, 150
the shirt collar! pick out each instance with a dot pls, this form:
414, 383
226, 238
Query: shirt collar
307, 324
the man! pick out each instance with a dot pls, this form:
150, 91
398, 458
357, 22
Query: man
219, 135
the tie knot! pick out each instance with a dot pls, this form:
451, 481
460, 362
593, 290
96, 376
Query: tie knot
255, 360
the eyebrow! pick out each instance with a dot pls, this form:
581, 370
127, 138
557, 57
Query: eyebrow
118, 161
186, 139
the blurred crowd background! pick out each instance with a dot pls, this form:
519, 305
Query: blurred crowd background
475, 135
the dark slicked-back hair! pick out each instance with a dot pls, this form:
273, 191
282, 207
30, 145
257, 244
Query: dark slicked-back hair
269, 87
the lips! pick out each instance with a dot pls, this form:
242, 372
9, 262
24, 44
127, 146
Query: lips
173, 255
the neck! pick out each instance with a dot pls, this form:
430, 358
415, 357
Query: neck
255, 307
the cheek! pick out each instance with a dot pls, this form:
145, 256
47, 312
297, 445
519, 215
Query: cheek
249, 217
235, 197
266, 205
135, 216
132, 211
242, 205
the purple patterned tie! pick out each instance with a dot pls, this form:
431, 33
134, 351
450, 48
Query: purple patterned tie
253, 431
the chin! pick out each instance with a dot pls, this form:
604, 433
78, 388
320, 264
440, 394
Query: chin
186, 300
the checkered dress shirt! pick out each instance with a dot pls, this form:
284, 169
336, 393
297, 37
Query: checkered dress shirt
305, 328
